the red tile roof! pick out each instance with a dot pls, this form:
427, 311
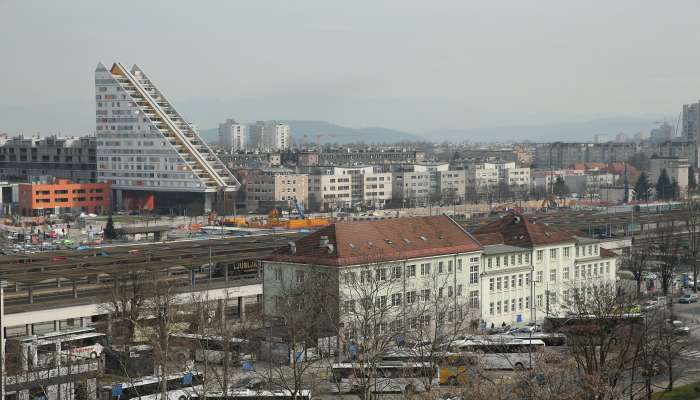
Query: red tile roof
375, 241
518, 230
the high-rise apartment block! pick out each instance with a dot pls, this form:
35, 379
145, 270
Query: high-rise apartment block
232, 136
269, 136
691, 122
147, 151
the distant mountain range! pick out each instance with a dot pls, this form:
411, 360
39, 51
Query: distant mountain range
306, 131
564, 132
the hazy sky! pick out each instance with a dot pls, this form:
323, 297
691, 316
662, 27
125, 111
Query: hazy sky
413, 65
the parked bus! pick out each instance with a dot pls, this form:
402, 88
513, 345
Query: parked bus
384, 377
249, 394
180, 387
201, 348
40, 350
497, 354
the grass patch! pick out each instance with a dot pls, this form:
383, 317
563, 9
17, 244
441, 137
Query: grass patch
685, 392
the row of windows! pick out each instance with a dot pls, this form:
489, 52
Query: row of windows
507, 306
509, 282
512, 260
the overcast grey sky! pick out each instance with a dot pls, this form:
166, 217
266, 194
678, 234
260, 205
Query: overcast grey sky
412, 65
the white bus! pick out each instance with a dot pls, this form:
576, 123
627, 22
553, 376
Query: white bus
180, 387
201, 348
250, 394
40, 350
384, 377
500, 354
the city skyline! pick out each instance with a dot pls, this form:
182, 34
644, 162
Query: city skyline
459, 64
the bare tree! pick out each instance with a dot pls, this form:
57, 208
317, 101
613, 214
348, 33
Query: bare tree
302, 314
602, 338
667, 250
638, 262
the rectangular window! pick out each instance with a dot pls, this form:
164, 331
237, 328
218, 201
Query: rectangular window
553, 254
411, 297
527, 258
566, 252
278, 274
505, 261
540, 276
576, 271
520, 280
396, 272
459, 290
459, 265
365, 276
498, 261
425, 269
552, 275
474, 299
441, 267
488, 262
512, 259
449, 266
491, 284
396, 299
440, 292
380, 302
498, 307
491, 308
381, 274
425, 294
527, 279
539, 300
607, 268
520, 303
300, 277
566, 274
577, 251
520, 259
512, 305
474, 274
540, 255
527, 301
410, 271
505, 282
450, 291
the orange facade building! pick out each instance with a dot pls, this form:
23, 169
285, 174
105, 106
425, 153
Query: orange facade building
63, 196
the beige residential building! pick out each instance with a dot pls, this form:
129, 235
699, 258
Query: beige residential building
676, 168
268, 188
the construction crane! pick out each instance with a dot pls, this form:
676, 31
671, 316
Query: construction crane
299, 209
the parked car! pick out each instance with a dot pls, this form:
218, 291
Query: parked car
688, 298
679, 328
650, 305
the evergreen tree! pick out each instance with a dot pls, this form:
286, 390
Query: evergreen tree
664, 186
692, 183
642, 187
109, 231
